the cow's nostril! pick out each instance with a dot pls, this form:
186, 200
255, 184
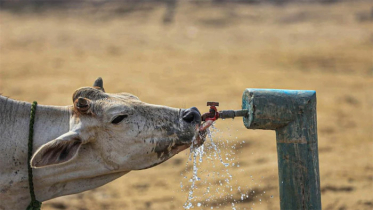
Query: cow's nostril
191, 115
188, 117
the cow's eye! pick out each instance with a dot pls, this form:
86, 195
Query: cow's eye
119, 119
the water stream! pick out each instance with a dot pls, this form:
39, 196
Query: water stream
223, 190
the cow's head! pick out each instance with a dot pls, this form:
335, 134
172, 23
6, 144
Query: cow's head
128, 133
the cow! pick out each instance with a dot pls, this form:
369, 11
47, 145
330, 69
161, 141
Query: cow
99, 138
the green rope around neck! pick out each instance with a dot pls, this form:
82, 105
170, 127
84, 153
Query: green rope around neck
34, 204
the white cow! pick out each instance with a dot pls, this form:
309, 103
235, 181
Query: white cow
76, 148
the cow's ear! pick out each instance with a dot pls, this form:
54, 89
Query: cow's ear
60, 150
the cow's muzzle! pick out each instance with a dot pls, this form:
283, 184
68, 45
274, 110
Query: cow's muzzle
191, 115
191, 118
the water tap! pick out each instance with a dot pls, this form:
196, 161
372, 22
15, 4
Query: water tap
213, 115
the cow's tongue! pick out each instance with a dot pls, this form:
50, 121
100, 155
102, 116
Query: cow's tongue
202, 132
205, 125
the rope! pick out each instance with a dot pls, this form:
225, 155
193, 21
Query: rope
34, 204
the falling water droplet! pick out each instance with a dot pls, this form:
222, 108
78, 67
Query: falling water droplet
219, 149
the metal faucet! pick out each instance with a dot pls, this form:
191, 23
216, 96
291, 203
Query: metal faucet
213, 114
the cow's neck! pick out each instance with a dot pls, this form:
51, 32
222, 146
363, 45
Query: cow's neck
49, 182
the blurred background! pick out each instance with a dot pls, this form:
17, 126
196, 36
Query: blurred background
185, 53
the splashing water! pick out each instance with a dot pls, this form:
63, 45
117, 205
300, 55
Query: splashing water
221, 190
217, 151
196, 151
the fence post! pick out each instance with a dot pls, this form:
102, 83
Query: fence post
292, 114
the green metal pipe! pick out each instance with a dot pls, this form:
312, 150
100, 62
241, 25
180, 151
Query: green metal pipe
292, 114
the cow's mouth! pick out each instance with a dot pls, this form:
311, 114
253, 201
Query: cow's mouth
195, 141
198, 139
192, 117
166, 150
194, 137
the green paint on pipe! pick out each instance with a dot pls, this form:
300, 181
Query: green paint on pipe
292, 114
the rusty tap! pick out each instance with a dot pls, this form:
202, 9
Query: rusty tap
213, 114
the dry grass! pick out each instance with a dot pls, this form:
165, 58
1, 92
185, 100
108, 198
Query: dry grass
207, 53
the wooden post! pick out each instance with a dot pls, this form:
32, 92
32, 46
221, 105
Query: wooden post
292, 114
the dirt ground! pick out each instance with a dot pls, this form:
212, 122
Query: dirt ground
185, 54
